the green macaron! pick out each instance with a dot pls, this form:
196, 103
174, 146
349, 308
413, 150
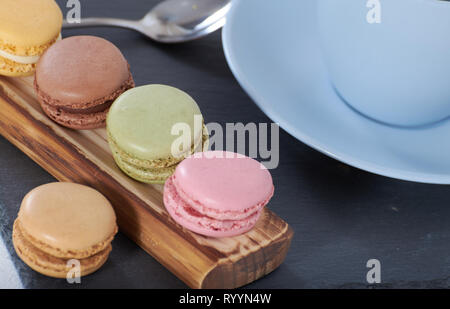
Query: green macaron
153, 128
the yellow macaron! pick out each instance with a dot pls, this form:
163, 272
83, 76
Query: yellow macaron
27, 29
58, 222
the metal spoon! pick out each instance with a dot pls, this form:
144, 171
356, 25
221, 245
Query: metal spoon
171, 21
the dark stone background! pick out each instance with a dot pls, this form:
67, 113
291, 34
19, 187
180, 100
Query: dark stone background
342, 216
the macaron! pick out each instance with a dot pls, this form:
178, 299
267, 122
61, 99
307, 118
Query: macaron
61, 221
27, 29
152, 128
218, 193
78, 78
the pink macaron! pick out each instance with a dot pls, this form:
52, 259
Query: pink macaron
218, 193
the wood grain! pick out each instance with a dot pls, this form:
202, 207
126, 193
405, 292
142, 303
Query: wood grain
84, 157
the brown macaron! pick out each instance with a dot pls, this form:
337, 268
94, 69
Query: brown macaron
78, 78
58, 222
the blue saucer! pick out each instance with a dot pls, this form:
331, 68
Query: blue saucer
272, 49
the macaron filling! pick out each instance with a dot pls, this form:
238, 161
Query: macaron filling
23, 59
156, 175
214, 213
157, 170
64, 254
200, 144
56, 266
180, 208
20, 59
86, 115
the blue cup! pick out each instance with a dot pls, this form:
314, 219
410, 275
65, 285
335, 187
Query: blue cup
389, 59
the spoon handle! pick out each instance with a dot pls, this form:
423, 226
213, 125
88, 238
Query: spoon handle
102, 22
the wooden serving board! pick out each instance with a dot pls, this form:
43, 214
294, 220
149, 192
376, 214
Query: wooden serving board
84, 157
